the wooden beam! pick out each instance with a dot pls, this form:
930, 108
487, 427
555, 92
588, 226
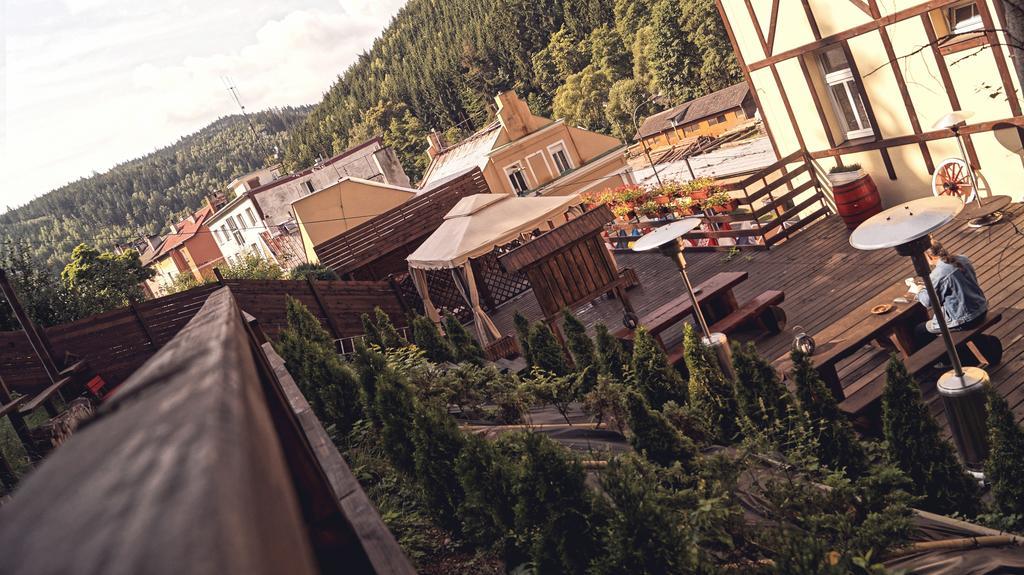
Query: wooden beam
997, 53
864, 7
908, 103
757, 28
811, 20
817, 103
852, 32
772, 25
870, 111
947, 84
1014, 122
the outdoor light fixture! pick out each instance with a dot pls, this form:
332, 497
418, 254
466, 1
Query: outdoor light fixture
907, 227
978, 213
669, 240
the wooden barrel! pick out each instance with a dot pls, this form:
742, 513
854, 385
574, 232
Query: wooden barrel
857, 201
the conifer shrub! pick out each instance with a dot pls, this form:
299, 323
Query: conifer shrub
545, 351
652, 376
653, 435
606, 402
837, 445
437, 443
580, 345
371, 336
394, 407
486, 476
914, 445
760, 396
314, 272
369, 362
389, 336
426, 337
464, 347
559, 391
612, 359
711, 393
522, 326
1004, 469
690, 421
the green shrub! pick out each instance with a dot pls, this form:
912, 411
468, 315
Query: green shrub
426, 337
369, 362
523, 335
1004, 468
394, 407
652, 376
486, 478
313, 272
653, 436
389, 336
915, 446
607, 402
838, 447
557, 390
437, 443
371, 335
580, 345
464, 347
711, 393
760, 396
612, 359
545, 350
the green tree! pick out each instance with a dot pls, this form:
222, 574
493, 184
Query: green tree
252, 267
545, 351
630, 16
369, 363
371, 335
102, 281
652, 376
581, 99
43, 297
437, 443
612, 359
623, 97
580, 344
389, 336
427, 338
522, 326
1004, 468
652, 434
838, 447
915, 446
760, 396
609, 53
314, 272
711, 392
394, 409
465, 347
486, 477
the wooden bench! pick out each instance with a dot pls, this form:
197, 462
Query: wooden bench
864, 395
762, 310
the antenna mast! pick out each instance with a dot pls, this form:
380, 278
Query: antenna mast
230, 85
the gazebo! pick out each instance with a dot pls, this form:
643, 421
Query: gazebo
482, 223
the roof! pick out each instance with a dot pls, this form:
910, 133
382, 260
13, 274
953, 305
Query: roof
467, 154
482, 222
694, 110
187, 228
742, 158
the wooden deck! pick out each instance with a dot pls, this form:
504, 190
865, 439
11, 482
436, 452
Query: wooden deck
825, 278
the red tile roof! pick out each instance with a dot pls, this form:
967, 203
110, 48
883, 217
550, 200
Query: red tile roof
187, 228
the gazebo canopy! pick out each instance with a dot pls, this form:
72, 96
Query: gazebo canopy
482, 222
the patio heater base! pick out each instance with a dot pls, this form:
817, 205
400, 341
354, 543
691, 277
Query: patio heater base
963, 398
723, 351
985, 220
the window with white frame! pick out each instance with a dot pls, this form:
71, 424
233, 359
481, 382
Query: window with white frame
964, 18
308, 184
845, 93
560, 157
224, 232
234, 231
251, 216
517, 177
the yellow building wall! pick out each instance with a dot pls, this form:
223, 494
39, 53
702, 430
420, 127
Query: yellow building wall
333, 210
671, 136
976, 81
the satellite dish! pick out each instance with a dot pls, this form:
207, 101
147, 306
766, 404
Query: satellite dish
905, 223
665, 234
953, 119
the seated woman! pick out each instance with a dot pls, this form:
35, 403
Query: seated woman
963, 303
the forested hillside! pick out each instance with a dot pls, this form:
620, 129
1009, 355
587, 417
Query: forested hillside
143, 195
440, 62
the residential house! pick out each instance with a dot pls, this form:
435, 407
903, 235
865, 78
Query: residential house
335, 209
864, 81
259, 219
188, 249
710, 115
520, 153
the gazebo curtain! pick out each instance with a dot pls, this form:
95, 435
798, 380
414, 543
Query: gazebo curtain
464, 280
419, 279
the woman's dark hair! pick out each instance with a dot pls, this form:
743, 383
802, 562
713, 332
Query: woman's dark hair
937, 251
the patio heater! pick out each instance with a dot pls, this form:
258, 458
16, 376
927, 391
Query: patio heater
669, 240
907, 227
978, 213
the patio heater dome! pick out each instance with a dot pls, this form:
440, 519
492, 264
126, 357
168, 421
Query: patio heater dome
666, 234
951, 119
907, 227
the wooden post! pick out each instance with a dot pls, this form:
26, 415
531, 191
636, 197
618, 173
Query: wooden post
335, 332
142, 323
36, 338
217, 274
18, 423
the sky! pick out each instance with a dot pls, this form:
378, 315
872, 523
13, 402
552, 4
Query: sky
87, 84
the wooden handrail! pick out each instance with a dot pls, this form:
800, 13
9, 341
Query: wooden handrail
197, 465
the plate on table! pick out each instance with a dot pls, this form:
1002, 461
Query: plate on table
882, 308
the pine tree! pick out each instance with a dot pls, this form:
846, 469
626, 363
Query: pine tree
654, 436
1004, 468
370, 333
915, 445
465, 348
710, 392
759, 394
523, 334
369, 363
653, 377
545, 351
395, 407
838, 447
389, 336
486, 478
427, 338
580, 344
612, 359
437, 442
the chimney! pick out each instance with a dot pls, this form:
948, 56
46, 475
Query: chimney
217, 200
513, 114
174, 228
437, 144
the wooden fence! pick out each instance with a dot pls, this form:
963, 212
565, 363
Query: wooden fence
116, 343
207, 460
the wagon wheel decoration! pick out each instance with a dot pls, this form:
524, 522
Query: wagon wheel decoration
953, 178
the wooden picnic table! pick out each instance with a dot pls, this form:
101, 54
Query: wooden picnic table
844, 337
714, 296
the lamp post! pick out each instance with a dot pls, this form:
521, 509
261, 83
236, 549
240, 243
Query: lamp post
669, 240
907, 227
647, 152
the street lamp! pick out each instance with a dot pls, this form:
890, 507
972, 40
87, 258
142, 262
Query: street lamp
908, 227
642, 142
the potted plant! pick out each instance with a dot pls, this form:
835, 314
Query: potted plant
649, 209
683, 206
842, 175
720, 202
624, 212
701, 188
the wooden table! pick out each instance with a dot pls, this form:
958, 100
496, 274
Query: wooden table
714, 296
844, 337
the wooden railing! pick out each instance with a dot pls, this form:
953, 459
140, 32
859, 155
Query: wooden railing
207, 460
